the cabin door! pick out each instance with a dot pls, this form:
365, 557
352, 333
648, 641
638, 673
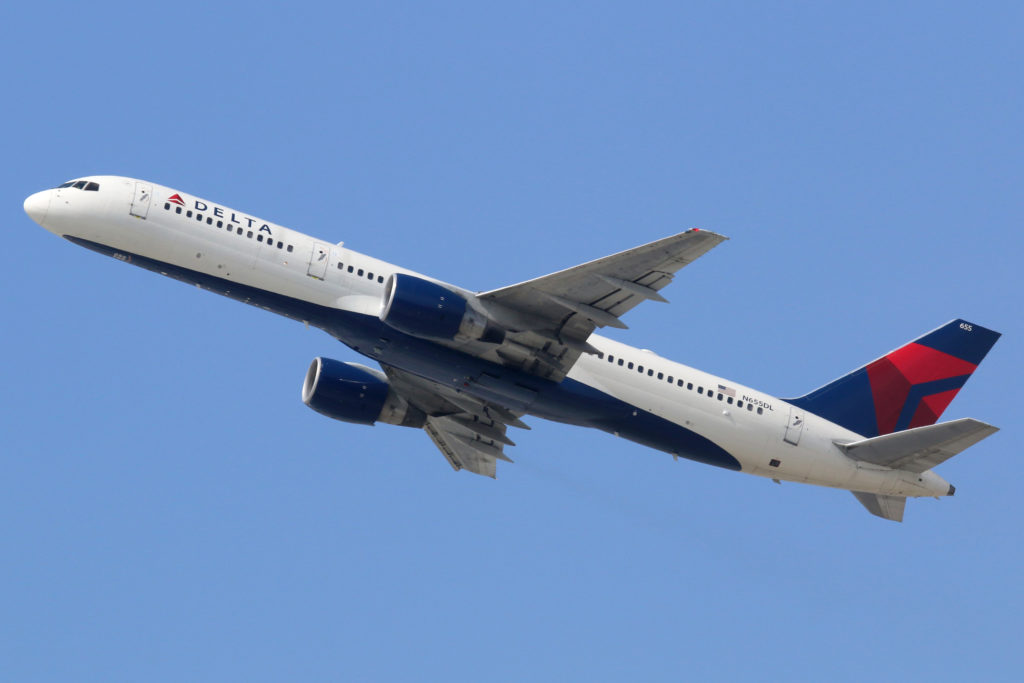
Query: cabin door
795, 426
318, 261
140, 202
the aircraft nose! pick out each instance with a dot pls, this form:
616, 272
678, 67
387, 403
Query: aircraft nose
37, 205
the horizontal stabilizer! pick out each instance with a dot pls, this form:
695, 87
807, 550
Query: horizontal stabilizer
922, 448
886, 507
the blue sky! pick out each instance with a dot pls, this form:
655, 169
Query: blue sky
173, 512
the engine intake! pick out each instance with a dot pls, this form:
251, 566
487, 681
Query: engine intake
354, 393
426, 309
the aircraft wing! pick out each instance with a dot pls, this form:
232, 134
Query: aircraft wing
469, 433
559, 311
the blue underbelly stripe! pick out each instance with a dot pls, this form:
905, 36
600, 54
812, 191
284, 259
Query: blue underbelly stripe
568, 401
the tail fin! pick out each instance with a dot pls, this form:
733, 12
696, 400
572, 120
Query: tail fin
908, 387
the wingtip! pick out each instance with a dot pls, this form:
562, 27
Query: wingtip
706, 232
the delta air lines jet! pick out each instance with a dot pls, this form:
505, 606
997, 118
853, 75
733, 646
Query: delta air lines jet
466, 366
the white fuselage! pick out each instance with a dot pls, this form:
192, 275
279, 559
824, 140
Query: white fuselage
767, 436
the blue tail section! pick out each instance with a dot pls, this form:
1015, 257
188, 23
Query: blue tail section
908, 387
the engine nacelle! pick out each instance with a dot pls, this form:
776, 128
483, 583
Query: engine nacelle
426, 309
353, 393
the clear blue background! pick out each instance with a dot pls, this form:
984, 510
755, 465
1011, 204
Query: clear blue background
170, 509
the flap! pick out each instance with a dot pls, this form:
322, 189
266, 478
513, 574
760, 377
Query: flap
470, 434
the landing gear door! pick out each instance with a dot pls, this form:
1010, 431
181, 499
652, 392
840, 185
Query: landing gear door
140, 201
318, 261
795, 426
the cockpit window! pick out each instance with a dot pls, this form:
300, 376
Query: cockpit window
88, 185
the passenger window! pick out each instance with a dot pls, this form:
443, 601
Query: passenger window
259, 237
369, 276
220, 224
177, 209
280, 244
760, 410
188, 214
167, 207
739, 404
340, 265
239, 231
640, 369
270, 242
249, 234
729, 400
350, 269
199, 217
380, 278
650, 373
669, 380
209, 220
630, 365
290, 248
719, 397
688, 386
360, 272
620, 361
750, 406
700, 390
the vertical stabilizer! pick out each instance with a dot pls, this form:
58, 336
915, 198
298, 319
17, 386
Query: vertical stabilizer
908, 387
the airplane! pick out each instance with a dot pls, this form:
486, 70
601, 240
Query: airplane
466, 366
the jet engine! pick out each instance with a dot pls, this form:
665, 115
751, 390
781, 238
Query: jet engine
355, 393
423, 308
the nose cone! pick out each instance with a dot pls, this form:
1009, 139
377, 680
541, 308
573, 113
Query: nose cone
37, 205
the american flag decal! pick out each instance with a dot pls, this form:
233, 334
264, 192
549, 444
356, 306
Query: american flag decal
722, 389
